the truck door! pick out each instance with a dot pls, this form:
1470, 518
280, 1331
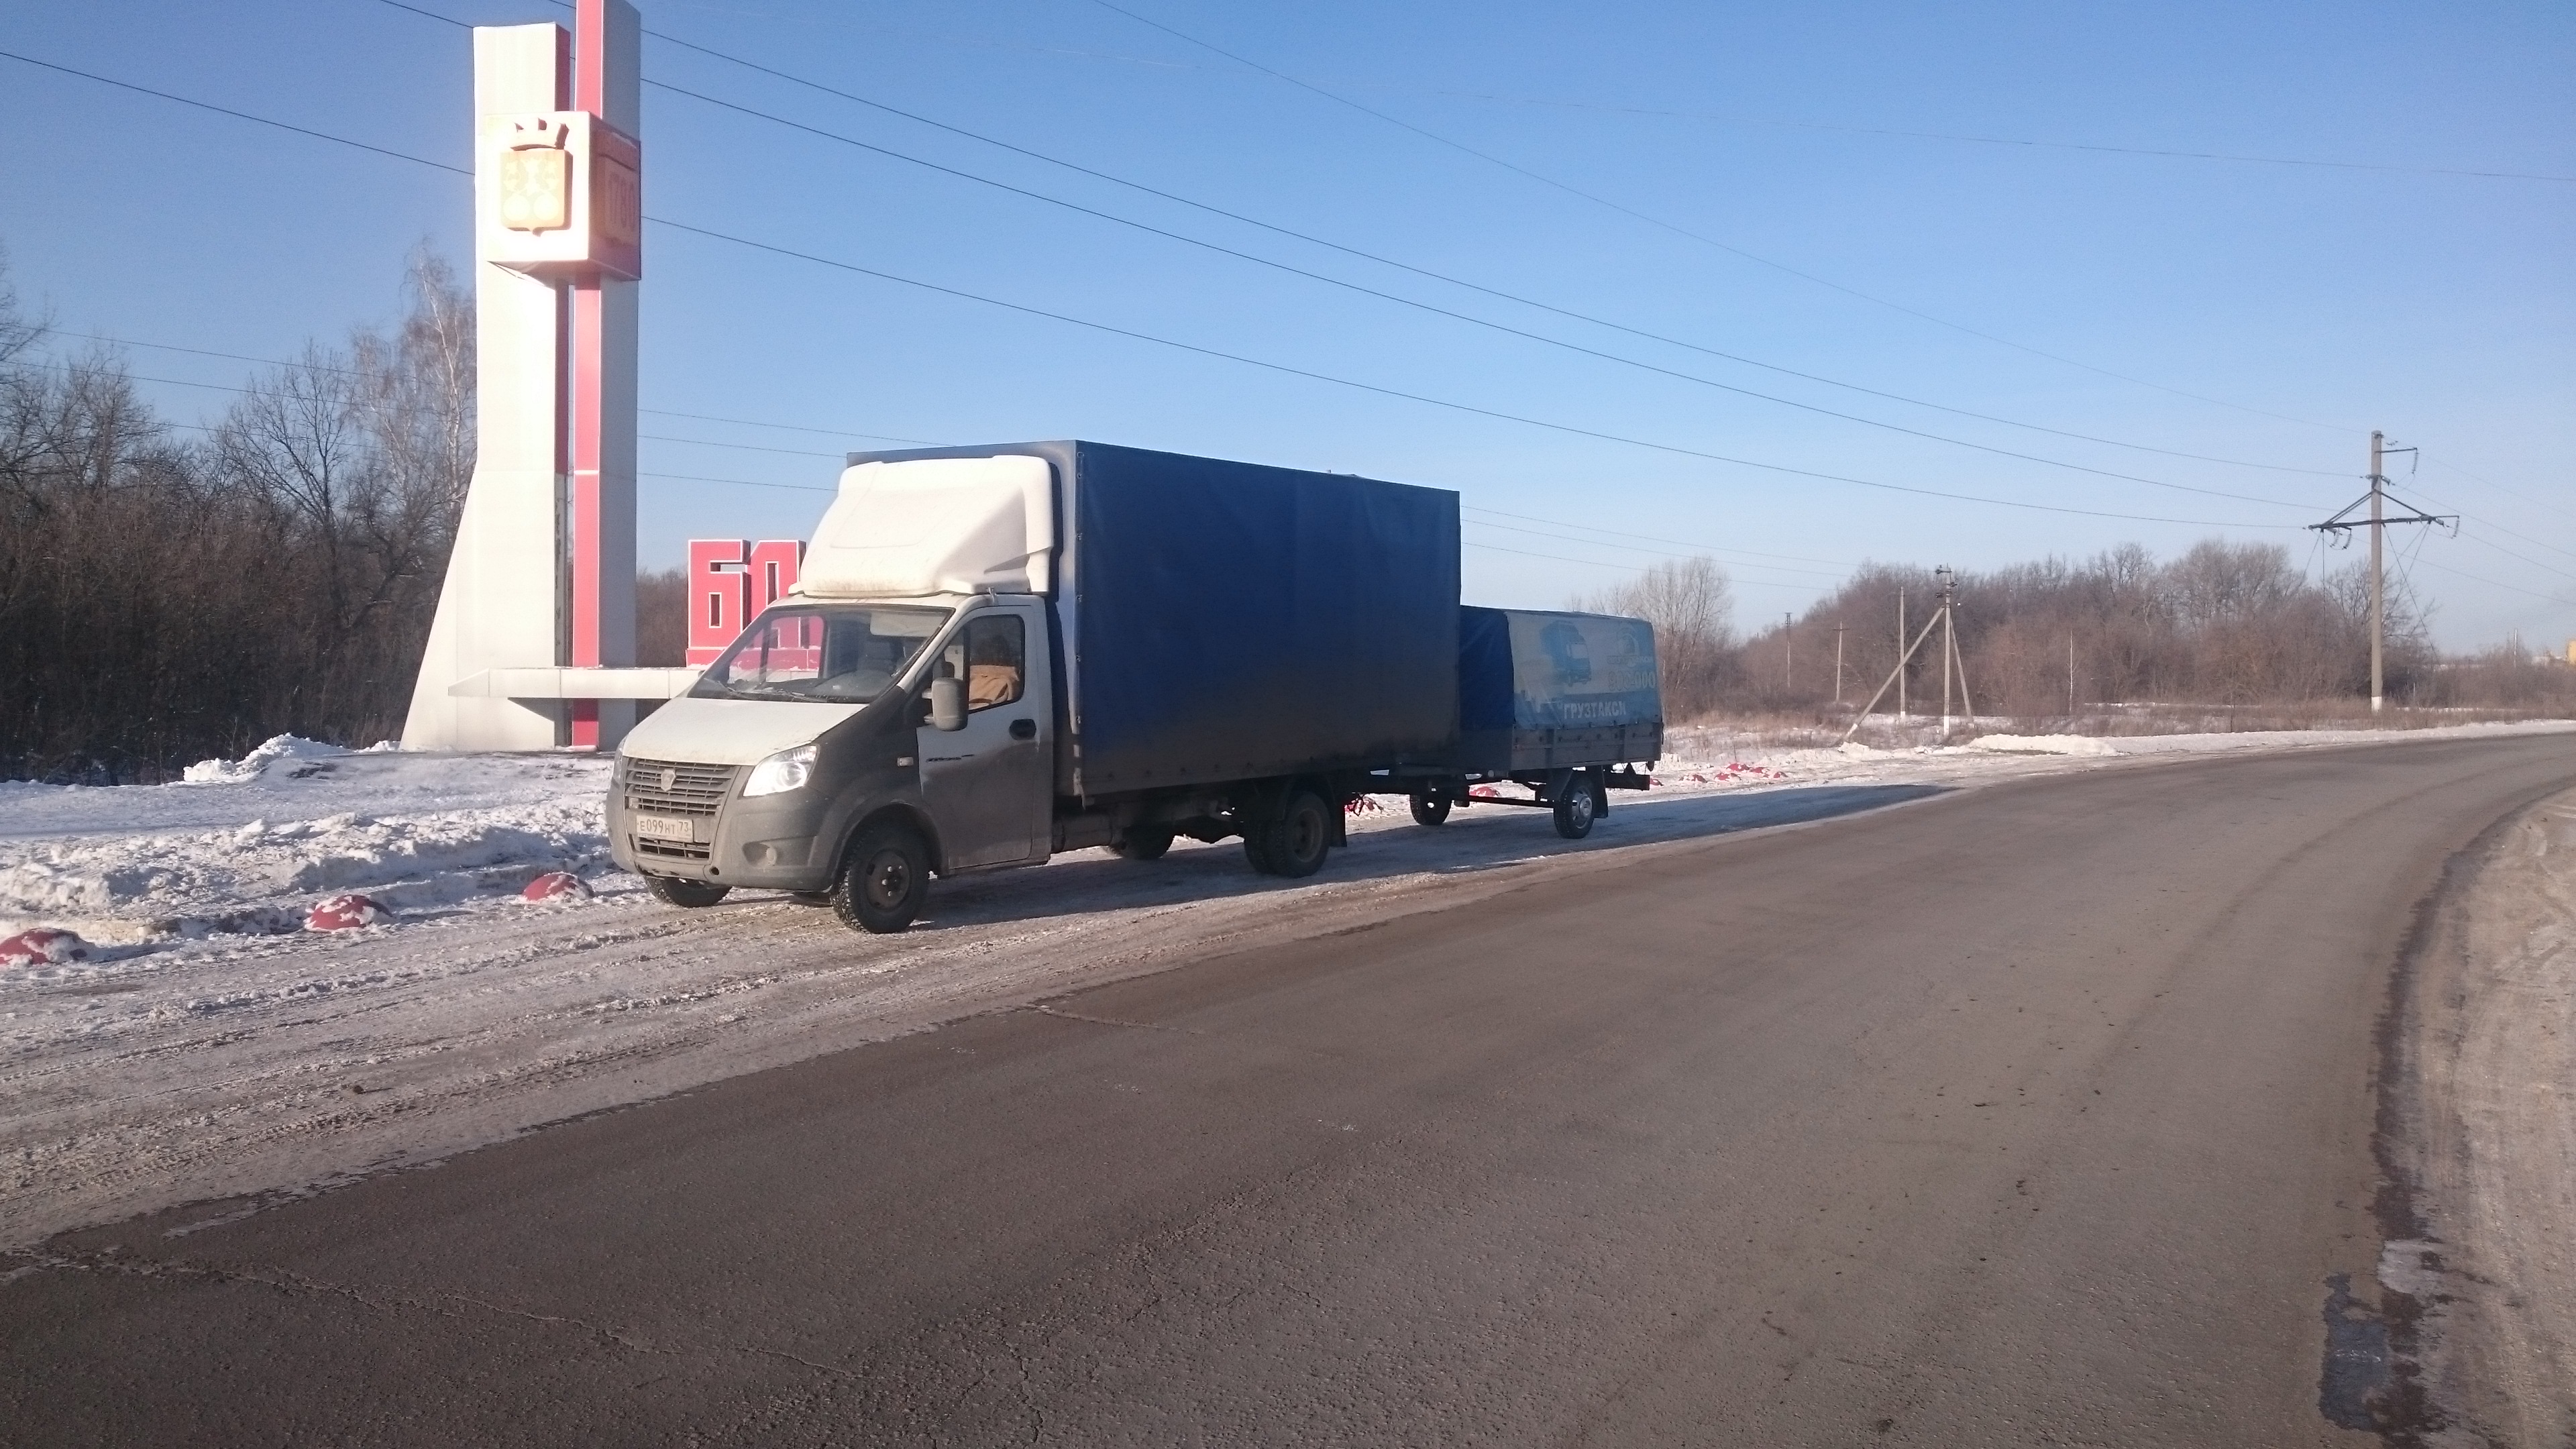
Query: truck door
991, 785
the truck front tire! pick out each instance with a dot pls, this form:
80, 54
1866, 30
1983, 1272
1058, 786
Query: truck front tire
672, 891
1293, 842
885, 877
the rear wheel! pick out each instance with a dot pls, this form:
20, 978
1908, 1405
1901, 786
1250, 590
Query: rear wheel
1293, 842
672, 891
1576, 805
1143, 842
1430, 809
884, 880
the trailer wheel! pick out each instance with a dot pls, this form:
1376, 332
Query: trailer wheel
672, 891
1293, 842
1430, 809
1143, 842
884, 880
1575, 807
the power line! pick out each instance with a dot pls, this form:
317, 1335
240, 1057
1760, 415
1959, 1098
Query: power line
238, 115
1365, 255
656, 412
1459, 316
2440, 462
1469, 408
1282, 368
1759, 121
812, 488
1752, 560
1994, 140
2492, 583
1630, 568
1634, 547
1656, 221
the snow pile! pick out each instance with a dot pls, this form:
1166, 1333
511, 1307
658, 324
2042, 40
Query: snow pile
405, 861
2084, 745
279, 749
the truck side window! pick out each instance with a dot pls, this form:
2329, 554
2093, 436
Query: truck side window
996, 660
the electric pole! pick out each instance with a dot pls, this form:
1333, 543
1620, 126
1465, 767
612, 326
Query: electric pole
1838, 661
1901, 651
1949, 642
1905, 655
1788, 657
2341, 526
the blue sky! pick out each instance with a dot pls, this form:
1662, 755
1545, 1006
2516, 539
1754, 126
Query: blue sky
2303, 305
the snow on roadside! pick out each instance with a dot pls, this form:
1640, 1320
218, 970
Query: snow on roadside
279, 749
244, 846
2091, 746
209, 1046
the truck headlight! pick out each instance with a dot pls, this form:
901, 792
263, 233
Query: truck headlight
781, 772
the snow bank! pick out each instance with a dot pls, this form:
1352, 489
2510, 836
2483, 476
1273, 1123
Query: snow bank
2085, 745
404, 862
278, 749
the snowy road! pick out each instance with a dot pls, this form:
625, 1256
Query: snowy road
2032, 1111
197, 1057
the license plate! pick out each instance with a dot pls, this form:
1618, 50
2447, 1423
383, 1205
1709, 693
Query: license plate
664, 827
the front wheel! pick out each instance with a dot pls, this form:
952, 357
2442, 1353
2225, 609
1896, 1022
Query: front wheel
673, 891
1576, 806
1293, 843
1430, 809
884, 880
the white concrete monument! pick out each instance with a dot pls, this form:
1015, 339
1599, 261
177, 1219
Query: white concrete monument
534, 639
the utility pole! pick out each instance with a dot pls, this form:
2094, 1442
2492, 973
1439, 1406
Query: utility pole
1949, 643
2341, 526
1901, 651
1788, 657
2070, 677
1905, 655
1838, 661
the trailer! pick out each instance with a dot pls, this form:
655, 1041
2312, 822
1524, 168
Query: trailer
1563, 703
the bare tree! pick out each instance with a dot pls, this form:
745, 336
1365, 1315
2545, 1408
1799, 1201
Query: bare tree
1691, 603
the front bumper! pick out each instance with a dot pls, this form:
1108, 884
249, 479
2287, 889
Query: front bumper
769, 842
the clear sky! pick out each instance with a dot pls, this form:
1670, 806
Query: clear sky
1748, 193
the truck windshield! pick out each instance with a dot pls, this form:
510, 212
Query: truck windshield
836, 654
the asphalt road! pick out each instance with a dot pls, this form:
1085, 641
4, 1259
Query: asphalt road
2038, 1113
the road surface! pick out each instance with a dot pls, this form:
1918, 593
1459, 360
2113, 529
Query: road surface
2036, 1113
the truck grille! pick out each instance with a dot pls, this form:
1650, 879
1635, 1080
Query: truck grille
693, 791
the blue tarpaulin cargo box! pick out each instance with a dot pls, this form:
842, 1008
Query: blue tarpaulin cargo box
1225, 621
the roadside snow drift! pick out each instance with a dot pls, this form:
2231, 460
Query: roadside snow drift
197, 1041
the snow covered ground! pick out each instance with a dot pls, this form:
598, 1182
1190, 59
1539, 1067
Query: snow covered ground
209, 1047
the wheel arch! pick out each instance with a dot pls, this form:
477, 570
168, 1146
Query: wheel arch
904, 812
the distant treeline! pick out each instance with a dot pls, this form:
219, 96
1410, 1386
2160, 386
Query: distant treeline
2225, 625
170, 593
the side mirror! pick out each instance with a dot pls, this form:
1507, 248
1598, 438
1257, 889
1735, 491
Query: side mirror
948, 703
